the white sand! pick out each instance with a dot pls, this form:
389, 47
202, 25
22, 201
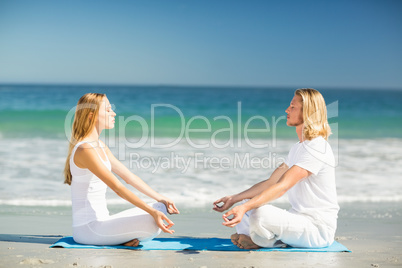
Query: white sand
371, 230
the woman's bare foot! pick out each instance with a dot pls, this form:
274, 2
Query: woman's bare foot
133, 243
235, 239
245, 242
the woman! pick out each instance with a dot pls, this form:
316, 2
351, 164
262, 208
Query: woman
88, 170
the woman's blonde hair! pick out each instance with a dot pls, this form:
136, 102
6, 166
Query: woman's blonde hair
314, 114
84, 122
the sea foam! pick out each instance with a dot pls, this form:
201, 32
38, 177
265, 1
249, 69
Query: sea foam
32, 171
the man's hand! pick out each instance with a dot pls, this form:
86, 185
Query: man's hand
227, 203
237, 213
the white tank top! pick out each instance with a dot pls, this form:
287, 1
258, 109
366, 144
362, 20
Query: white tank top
87, 192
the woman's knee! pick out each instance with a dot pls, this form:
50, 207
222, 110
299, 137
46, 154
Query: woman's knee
160, 207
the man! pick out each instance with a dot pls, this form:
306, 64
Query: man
308, 176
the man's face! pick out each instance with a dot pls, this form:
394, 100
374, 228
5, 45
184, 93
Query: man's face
295, 112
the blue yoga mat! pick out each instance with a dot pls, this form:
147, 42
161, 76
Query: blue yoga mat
191, 243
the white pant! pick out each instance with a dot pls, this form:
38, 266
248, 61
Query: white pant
269, 226
119, 228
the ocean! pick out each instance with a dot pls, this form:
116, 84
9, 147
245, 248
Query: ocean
194, 144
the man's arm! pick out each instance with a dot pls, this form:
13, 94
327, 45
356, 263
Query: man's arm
286, 181
261, 186
253, 191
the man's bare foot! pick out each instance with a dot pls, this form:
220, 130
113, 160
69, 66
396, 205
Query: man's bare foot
235, 239
245, 242
133, 243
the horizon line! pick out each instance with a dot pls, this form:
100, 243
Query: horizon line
65, 84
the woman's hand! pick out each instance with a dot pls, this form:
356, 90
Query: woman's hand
160, 220
227, 201
170, 206
237, 213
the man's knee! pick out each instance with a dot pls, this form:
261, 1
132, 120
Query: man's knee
260, 218
261, 232
264, 214
265, 219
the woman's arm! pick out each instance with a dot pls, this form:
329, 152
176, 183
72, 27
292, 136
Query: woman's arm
123, 172
87, 157
253, 191
286, 181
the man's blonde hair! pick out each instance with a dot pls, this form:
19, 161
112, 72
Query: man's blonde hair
314, 114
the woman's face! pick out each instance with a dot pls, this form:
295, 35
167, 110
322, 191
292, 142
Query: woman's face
106, 115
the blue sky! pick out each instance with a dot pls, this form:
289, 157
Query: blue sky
244, 43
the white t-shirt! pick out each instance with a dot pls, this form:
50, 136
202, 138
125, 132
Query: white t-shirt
314, 195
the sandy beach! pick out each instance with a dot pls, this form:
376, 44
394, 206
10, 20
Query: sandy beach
370, 230
201, 102
35, 206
